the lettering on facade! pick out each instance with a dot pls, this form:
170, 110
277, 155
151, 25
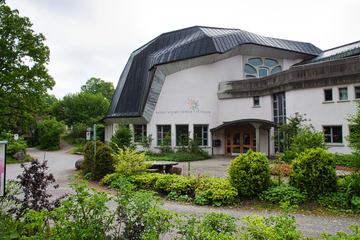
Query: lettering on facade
193, 105
181, 112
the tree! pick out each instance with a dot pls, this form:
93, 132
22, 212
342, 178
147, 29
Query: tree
122, 138
287, 131
24, 79
96, 85
83, 107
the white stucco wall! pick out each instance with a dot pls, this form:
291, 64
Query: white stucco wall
320, 113
199, 84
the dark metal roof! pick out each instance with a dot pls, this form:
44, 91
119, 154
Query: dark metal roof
135, 84
348, 50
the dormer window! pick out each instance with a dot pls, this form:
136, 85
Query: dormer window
258, 67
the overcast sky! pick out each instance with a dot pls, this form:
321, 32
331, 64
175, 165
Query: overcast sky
94, 38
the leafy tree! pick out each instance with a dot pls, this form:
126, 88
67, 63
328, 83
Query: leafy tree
83, 107
285, 132
307, 137
24, 79
96, 85
48, 133
354, 137
122, 138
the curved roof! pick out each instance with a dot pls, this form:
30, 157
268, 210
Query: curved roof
135, 90
264, 124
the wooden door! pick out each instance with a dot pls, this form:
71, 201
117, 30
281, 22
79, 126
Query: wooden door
239, 140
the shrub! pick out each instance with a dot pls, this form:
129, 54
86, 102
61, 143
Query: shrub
104, 162
250, 174
165, 146
78, 131
13, 146
216, 191
282, 169
146, 180
122, 138
34, 182
49, 132
283, 194
314, 171
88, 163
352, 193
128, 162
176, 183
308, 137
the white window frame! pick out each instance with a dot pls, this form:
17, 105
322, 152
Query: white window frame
203, 139
161, 133
143, 131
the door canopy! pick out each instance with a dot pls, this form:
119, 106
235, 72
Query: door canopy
252, 122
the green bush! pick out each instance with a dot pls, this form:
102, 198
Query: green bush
250, 174
307, 137
284, 193
13, 146
352, 193
122, 138
88, 163
177, 183
215, 191
104, 162
48, 132
146, 180
314, 172
344, 160
128, 162
78, 131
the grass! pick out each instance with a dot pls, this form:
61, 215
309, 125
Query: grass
11, 160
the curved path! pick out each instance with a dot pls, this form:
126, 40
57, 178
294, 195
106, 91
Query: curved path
62, 165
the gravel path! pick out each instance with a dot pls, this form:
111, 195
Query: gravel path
62, 165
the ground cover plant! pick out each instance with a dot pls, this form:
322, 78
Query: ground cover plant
137, 215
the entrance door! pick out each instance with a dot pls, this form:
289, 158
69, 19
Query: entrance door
239, 140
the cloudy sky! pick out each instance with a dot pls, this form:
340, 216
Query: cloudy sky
94, 38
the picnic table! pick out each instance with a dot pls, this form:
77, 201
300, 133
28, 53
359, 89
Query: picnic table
159, 166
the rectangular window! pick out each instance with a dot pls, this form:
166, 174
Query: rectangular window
201, 132
182, 134
256, 101
333, 134
139, 133
162, 132
357, 92
343, 94
328, 95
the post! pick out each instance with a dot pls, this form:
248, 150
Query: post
189, 169
3, 145
95, 139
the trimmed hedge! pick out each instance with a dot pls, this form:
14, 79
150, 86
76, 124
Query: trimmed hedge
250, 174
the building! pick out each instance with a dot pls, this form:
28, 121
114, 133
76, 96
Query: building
232, 88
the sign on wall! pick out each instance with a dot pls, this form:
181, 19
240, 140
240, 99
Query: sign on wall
3, 145
193, 107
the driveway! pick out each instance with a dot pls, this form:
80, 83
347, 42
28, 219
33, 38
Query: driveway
62, 165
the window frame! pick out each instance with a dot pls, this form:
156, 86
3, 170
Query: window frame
256, 101
262, 65
332, 134
178, 143
160, 140
143, 130
357, 88
341, 94
204, 139
325, 95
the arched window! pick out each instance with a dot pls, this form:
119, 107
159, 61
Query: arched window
258, 67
